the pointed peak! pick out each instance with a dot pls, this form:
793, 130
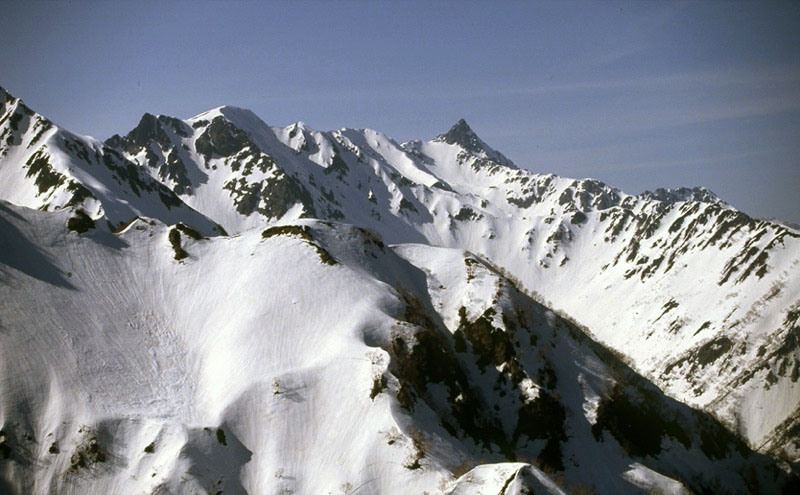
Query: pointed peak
461, 134
147, 129
461, 125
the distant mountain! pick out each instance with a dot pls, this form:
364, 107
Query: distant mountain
47, 168
217, 304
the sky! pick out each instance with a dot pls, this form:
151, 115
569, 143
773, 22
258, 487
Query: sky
639, 95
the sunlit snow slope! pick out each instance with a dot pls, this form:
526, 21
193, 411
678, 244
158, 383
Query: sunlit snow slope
313, 358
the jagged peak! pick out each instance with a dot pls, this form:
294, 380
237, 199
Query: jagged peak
671, 195
299, 125
461, 134
150, 128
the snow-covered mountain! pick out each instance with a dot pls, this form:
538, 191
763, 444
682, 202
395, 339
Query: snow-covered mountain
704, 298
46, 167
402, 342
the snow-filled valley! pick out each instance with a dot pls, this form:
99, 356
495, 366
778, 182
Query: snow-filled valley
213, 305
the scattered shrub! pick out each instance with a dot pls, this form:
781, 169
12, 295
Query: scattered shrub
175, 241
378, 385
221, 437
189, 232
80, 222
304, 233
87, 455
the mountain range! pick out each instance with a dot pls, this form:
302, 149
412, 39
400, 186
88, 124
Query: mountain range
215, 305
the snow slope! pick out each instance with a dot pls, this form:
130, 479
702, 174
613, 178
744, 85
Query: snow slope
332, 364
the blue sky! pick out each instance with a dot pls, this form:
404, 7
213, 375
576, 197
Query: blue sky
637, 94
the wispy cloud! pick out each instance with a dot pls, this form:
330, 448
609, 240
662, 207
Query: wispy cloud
754, 77
675, 81
621, 53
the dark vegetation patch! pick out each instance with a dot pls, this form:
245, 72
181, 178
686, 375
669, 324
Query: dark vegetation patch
418, 443
221, 437
471, 264
669, 306
466, 214
79, 149
87, 455
221, 138
714, 440
407, 205
46, 177
523, 202
703, 355
492, 345
544, 418
370, 237
5, 450
79, 193
175, 170
43, 125
271, 197
751, 258
303, 232
637, 425
442, 185
424, 358
379, 384
578, 218
702, 327
337, 166
168, 198
14, 121
80, 222
711, 351
189, 232
175, 242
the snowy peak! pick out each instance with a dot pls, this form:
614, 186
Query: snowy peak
45, 167
461, 134
150, 128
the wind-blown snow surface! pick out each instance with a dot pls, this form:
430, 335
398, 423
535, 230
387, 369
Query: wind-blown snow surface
331, 363
182, 333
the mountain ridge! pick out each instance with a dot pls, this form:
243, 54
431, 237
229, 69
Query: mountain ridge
692, 294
